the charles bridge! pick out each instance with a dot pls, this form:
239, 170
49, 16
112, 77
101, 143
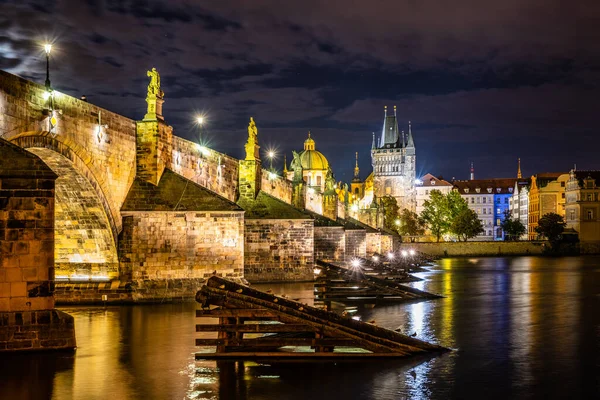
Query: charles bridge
142, 214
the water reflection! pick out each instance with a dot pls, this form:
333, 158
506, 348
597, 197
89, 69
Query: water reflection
521, 328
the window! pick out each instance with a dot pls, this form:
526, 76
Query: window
498, 200
388, 190
309, 180
562, 184
489, 233
484, 211
472, 200
484, 200
478, 200
510, 190
572, 215
589, 197
506, 200
319, 180
498, 211
356, 191
466, 190
489, 190
590, 215
498, 222
563, 195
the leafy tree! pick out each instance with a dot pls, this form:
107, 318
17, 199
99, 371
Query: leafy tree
466, 225
455, 205
435, 214
513, 228
551, 226
390, 212
410, 224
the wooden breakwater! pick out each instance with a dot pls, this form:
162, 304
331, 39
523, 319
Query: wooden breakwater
254, 324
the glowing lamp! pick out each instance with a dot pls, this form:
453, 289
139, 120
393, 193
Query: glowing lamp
375, 258
200, 120
48, 48
355, 263
390, 256
404, 253
411, 252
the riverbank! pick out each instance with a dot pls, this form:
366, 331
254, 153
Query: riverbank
478, 249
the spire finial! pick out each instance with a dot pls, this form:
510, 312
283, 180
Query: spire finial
356, 169
519, 168
285, 170
309, 134
394, 111
385, 110
357, 159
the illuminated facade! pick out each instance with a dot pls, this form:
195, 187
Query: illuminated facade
489, 198
393, 157
425, 185
546, 195
582, 207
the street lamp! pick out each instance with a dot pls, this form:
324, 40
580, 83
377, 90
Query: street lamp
271, 155
200, 120
47, 49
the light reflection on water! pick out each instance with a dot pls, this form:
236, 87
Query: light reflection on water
521, 328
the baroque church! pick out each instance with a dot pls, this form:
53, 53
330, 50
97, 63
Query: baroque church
393, 157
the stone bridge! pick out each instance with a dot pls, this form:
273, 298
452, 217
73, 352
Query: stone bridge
136, 203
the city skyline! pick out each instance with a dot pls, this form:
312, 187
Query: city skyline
487, 94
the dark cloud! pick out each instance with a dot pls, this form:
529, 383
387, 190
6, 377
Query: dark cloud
483, 81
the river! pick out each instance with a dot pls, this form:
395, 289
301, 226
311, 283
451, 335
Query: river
521, 328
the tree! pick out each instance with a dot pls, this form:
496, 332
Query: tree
455, 205
513, 228
390, 212
435, 214
551, 226
410, 224
466, 225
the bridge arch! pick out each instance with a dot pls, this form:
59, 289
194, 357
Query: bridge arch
86, 225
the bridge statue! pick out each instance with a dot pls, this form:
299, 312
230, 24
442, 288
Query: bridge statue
155, 96
252, 143
296, 165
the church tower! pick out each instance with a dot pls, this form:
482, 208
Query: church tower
393, 157
357, 186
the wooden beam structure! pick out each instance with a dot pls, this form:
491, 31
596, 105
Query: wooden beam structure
338, 283
254, 324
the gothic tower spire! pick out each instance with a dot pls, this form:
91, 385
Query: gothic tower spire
356, 169
519, 168
285, 170
411, 142
472, 171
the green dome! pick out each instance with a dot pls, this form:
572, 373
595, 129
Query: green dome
313, 159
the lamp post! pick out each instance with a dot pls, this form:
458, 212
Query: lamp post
47, 49
200, 120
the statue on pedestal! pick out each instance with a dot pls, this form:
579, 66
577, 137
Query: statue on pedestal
155, 96
252, 143
296, 165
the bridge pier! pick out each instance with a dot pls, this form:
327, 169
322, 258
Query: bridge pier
28, 320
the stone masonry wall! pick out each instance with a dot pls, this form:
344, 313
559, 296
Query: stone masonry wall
36, 330
84, 243
180, 245
107, 153
208, 168
452, 249
374, 242
330, 243
356, 243
278, 187
279, 250
26, 236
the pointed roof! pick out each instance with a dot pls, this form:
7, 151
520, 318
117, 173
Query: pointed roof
356, 170
519, 168
389, 133
411, 142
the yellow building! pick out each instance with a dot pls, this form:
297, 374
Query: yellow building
546, 195
582, 206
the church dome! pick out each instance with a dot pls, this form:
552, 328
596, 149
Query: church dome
311, 158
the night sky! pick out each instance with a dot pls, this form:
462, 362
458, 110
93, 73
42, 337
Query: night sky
481, 80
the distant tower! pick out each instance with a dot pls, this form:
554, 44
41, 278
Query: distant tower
472, 171
394, 163
357, 186
519, 169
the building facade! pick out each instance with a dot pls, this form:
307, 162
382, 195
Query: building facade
425, 185
582, 206
393, 157
519, 203
490, 199
546, 195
